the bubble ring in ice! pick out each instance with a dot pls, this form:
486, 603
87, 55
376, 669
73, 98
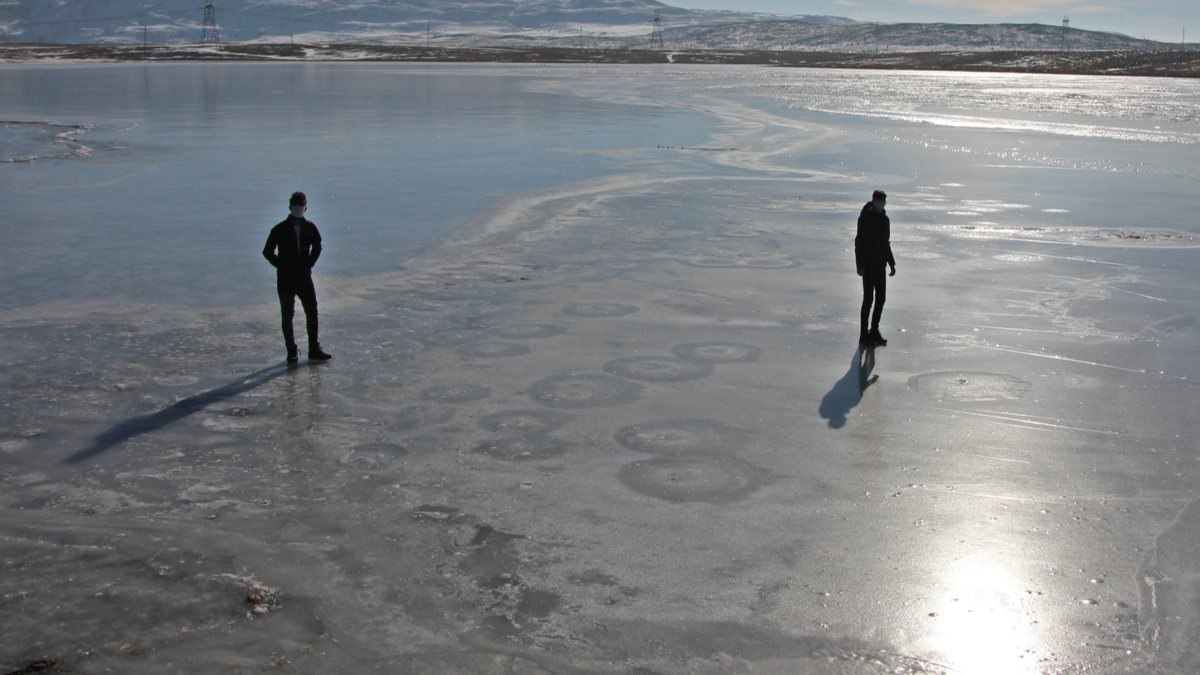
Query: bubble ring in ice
966, 386
458, 293
1178, 323
492, 349
176, 380
657, 368
584, 391
679, 480
373, 454
681, 437
457, 336
527, 331
599, 309
391, 379
717, 352
709, 261
523, 448
414, 416
530, 421
396, 345
457, 393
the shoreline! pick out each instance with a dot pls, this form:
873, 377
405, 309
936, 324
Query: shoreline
1142, 64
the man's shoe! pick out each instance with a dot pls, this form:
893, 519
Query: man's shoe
877, 339
317, 354
864, 340
293, 355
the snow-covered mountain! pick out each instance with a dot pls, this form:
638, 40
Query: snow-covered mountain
582, 23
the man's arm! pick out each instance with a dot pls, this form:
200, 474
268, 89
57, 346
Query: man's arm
269, 250
315, 251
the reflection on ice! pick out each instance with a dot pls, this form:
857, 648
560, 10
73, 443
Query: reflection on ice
981, 620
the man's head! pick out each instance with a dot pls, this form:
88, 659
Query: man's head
298, 204
879, 199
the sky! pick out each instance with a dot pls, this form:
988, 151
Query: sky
1164, 20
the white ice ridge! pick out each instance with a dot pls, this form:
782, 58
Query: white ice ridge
31, 140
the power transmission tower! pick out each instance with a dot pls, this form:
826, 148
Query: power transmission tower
1066, 28
210, 34
656, 35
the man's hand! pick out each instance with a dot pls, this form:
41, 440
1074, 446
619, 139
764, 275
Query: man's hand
860, 271
893, 272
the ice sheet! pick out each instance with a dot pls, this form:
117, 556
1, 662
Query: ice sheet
622, 425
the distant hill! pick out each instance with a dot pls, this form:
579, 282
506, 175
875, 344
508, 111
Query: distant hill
167, 21
904, 37
618, 24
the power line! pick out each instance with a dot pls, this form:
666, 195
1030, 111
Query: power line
130, 17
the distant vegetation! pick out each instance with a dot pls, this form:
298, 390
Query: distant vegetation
1142, 63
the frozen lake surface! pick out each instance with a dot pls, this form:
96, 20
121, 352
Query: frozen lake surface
595, 404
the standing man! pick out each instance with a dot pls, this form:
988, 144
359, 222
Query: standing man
872, 253
292, 249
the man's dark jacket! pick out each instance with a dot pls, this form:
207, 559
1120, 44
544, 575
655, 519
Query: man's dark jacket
873, 243
288, 257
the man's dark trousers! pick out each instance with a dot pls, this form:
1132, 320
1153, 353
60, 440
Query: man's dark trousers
292, 286
874, 284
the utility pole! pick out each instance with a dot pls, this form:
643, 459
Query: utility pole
656, 34
210, 34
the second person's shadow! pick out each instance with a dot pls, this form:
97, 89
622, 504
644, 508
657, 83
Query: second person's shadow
848, 391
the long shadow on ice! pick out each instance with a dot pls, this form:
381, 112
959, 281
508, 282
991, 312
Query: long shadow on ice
848, 391
144, 424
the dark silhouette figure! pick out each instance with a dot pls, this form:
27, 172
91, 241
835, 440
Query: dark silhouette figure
292, 248
848, 391
872, 254
144, 424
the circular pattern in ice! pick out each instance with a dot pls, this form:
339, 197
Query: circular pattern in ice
681, 437
518, 448
527, 331
176, 380
395, 345
457, 393
968, 386
457, 336
456, 293
599, 309
679, 480
493, 349
415, 416
373, 454
391, 379
584, 391
657, 368
524, 421
717, 352
1182, 323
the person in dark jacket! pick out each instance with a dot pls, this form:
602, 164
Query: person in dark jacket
872, 254
292, 248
